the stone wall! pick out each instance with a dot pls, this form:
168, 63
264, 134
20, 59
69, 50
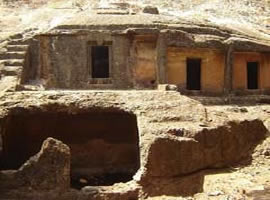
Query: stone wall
64, 61
144, 64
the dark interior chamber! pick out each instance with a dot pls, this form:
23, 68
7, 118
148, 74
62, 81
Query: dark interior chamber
104, 145
252, 75
100, 61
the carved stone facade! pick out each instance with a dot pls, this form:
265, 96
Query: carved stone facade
143, 58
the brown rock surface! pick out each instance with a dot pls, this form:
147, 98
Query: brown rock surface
170, 157
210, 148
173, 186
180, 139
47, 170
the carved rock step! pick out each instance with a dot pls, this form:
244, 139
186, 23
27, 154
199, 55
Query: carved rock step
11, 70
13, 62
17, 47
12, 55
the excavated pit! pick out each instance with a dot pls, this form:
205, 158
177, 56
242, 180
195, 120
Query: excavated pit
104, 145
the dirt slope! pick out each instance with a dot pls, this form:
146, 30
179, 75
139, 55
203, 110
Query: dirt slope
248, 16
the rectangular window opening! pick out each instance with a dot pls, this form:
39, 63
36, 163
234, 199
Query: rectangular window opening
100, 62
193, 74
252, 75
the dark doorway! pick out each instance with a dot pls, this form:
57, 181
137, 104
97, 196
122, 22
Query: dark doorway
104, 145
252, 75
100, 61
193, 74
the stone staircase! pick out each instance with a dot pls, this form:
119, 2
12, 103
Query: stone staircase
12, 61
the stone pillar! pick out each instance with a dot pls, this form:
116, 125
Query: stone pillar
228, 71
161, 59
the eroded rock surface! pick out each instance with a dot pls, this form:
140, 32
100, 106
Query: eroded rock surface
179, 139
210, 148
170, 157
47, 170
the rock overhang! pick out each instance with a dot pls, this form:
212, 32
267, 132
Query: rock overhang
204, 35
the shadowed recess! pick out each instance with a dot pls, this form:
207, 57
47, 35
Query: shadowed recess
104, 145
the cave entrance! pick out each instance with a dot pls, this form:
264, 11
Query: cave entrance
104, 145
100, 61
193, 74
252, 75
